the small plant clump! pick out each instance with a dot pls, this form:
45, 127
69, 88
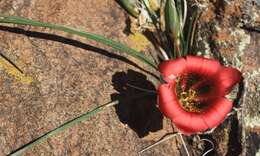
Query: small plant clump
191, 89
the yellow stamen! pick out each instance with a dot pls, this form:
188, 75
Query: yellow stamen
187, 100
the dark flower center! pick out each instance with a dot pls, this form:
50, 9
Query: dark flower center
188, 89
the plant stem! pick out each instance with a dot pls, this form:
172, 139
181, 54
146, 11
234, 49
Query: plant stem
184, 145
167, 137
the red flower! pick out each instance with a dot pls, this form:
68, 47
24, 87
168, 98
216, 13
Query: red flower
194, 95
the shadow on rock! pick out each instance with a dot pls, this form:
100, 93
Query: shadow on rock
137, 108
72, 42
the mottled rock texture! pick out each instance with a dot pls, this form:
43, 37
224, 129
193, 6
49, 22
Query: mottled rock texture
230, 31
65, 76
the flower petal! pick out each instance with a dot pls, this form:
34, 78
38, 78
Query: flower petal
202, 66
185, 130
197, 123
182, 123
194, 63
190, 123
217, 112
168, 102
172, 68
226, 78
210, 81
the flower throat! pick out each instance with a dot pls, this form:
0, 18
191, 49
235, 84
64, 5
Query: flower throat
187, 96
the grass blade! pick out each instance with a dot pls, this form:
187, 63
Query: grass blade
62, 128
98, 38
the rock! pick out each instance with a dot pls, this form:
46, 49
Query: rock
231, 33
65, 76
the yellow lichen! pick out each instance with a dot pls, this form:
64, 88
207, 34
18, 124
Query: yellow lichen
12, 71
138, 41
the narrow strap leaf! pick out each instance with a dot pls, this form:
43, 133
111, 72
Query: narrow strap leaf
98, 38
62, 128
191, 27
173, 26
130, 6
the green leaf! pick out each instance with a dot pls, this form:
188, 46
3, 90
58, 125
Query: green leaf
130, 6
62, 128
172, 19
179, 9
191, 27
98, 38
151, 12
173, 25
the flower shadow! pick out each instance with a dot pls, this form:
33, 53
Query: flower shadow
137, 109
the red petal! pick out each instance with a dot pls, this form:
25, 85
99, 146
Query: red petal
202, 66
226, 78
184, 130
197, 123
182, 123
194, 63
217, 112
172, 68
190, 123
168, 102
